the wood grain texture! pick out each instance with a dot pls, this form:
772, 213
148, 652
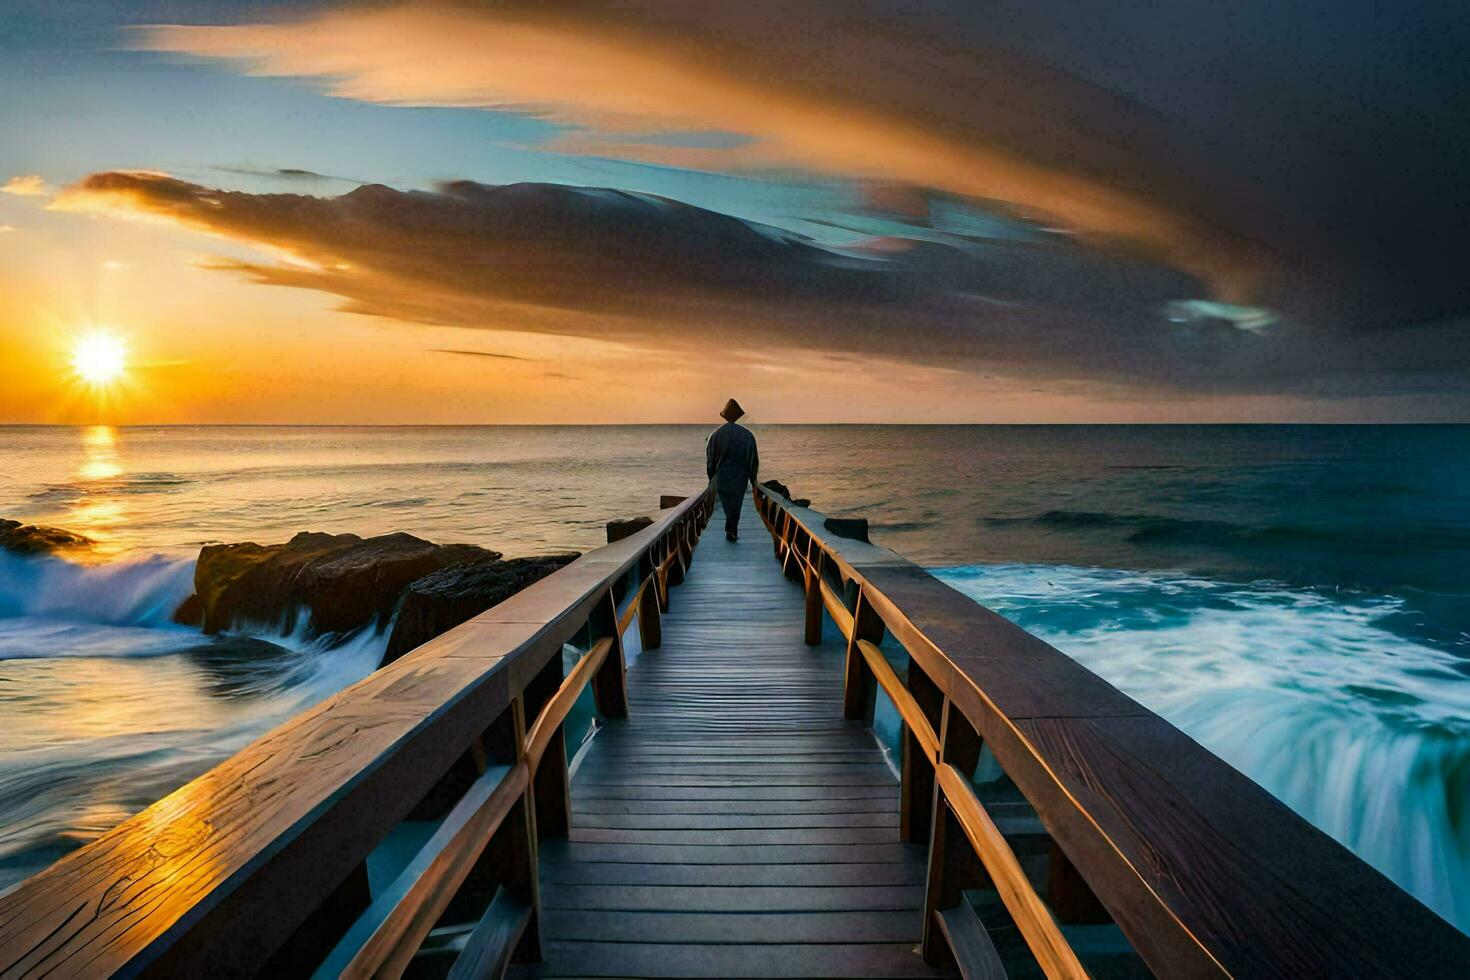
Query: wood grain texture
735, 823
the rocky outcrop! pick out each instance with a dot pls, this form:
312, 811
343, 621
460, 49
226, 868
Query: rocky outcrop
35, 539
444, 599
618, 530
343, 581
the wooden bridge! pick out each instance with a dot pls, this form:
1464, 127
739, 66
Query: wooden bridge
825, 763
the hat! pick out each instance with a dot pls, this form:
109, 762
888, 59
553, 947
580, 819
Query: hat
731, 411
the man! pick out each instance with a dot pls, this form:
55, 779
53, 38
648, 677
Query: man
730, 460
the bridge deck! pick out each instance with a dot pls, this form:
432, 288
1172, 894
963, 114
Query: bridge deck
735, 824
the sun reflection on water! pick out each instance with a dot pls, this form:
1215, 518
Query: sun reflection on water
98, 512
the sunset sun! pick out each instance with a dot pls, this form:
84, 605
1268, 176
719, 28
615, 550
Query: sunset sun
99, 358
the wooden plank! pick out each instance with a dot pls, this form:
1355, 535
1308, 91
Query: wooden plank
970, 944
733, 792
713, 837
664, 898
488, 950
729, 854
596, 959
874, 804
737, 821
733, 875
849, 925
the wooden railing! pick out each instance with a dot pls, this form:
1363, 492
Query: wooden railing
261, 865
1129, 826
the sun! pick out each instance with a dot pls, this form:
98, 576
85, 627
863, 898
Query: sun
99, 358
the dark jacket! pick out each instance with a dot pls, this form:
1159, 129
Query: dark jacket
730, 457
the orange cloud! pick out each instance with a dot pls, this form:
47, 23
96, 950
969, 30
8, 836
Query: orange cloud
25, 185
836, 112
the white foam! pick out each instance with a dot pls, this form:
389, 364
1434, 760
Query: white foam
1363, 732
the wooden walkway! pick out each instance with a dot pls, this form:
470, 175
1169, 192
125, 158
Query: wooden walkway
735, 824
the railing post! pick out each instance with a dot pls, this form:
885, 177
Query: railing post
552, 784
858, 682
953, 864
650, 624
813, 623
509, 860
917, 793
660, 574
609, 684
676, 567
1070, 896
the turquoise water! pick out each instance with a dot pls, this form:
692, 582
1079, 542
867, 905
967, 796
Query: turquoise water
1293, 597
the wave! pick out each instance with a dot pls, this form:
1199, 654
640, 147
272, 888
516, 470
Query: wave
112, 705
141, 592
1159, 529
1362, 732
125, 484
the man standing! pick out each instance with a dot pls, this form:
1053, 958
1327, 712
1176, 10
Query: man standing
730, 460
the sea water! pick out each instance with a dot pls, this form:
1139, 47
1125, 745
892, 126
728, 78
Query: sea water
1293, 597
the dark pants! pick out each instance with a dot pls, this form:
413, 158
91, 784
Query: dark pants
731, 503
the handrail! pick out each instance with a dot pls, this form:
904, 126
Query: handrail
389, 956
401, 925
556, 710
259, 865
1202, 871
1034, 920
908, 708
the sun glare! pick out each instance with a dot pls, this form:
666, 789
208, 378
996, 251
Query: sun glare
99, 358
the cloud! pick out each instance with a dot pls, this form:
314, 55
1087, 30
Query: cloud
1307, 158
807, 92
6, 228
657, 274
286, 173
26, 185
479, 353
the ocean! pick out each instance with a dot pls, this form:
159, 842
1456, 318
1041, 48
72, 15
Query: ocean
1293, 597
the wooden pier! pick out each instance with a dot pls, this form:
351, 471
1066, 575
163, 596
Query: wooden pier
736, 812
736, 824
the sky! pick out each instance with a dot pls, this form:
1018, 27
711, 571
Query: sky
872, 210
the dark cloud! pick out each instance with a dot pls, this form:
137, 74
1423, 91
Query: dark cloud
646, 270
287, 173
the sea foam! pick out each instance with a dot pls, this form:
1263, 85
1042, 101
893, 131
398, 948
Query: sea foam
1363, 732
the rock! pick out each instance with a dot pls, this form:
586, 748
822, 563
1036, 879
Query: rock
342, 580
34, 539
190, 611
618, 530
785, 491
855, 528
779, 487
442, 600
